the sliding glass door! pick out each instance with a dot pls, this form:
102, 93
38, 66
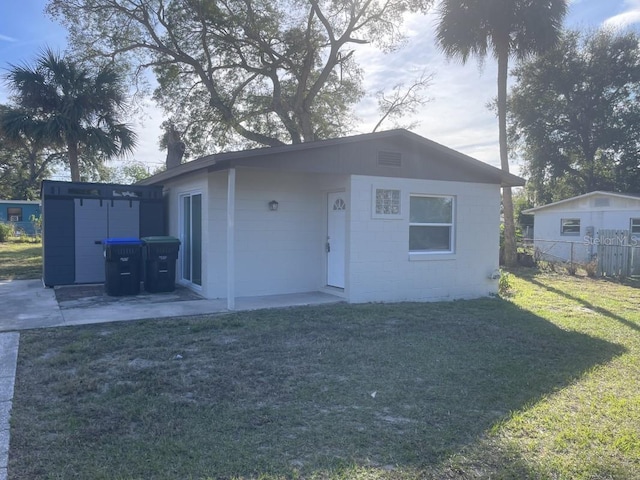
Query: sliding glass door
191, 233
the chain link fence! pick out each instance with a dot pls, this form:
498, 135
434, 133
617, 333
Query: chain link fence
610, 253
24, 228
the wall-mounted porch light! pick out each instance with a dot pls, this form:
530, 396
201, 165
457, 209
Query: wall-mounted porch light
273, 205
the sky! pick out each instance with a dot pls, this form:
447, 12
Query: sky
456, 115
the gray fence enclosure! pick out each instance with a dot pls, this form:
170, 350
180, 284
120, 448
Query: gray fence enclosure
618, 253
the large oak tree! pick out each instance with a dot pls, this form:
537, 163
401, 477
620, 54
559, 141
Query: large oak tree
239, 73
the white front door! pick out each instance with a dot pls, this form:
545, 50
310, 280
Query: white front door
336, 238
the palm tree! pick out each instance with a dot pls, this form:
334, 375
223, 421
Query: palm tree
64, 105
507, 28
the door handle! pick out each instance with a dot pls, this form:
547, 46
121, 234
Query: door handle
328, 247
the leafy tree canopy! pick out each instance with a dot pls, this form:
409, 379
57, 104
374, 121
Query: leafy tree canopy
575, 112
22, 166
241, 73
125, 173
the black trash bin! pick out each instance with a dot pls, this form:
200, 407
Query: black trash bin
160, 255
122, 262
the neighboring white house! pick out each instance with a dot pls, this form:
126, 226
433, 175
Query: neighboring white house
388, 216
571, 229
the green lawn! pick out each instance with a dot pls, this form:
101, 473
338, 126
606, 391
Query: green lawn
20, 260
545, 385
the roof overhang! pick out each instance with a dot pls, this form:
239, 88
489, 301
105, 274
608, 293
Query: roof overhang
534, 210
261, 158
22, 202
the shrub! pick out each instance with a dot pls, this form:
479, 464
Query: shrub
546, 266
504, 284
591, 268
26, 238
5, 232
37, 223
526, 259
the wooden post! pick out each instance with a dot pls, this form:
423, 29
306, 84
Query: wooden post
571, 257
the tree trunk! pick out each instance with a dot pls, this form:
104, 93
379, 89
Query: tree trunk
590, 161
510, 253
73, 161
306, 125
175, 147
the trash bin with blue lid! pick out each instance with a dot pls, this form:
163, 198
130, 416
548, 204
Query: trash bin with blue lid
122, 262
160, 254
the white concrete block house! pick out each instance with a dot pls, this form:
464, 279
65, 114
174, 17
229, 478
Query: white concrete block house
569, 229
387, 216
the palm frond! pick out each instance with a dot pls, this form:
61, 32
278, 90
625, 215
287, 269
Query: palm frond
63, 103
478, 27
461, 33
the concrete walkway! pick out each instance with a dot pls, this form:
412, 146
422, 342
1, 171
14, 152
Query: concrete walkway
26, 304
8, 358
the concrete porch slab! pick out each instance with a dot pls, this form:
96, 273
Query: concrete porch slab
27, 304
126, 311
286, 300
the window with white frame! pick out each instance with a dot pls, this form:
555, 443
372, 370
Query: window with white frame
386, 202
431, 224
570, 226
635, 226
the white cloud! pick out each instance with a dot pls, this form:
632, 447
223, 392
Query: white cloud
457, 116
6, 38
630, 16
147, 127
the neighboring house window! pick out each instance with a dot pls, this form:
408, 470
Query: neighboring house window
570, 226
635, 226
431, 224
386, 203
14, 214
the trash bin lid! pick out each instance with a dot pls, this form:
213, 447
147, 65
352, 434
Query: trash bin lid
161, 239
122, 241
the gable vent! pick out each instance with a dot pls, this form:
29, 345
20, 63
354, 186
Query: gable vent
601, 202
389, 159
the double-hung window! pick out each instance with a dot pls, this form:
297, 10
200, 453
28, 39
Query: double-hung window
570, 226
431, 224
635, 226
